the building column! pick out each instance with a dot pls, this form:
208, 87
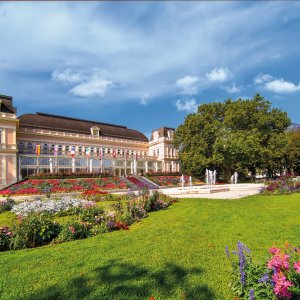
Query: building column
172, 166
146, 166
155, 166
3, 140
73, 165
15, 167
131, 167
135, 166
91, 165
14, 136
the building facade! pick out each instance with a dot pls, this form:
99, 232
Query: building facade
45, 143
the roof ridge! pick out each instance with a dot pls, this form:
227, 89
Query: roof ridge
77, 119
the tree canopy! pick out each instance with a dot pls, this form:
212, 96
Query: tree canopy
242, 135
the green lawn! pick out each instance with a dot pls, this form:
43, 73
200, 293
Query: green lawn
177, 253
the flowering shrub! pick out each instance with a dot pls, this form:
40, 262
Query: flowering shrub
6, 205
278, 278
282, 185
5, 237
50, 206
72, 231
33, 230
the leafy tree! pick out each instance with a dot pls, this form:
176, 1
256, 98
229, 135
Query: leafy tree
293, 151
242, 135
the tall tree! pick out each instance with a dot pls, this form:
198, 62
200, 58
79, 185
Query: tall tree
293, 151
242, 135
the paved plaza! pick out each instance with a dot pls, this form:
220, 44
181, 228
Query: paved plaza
226, 191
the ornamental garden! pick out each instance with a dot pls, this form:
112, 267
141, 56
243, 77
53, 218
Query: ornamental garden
100, 236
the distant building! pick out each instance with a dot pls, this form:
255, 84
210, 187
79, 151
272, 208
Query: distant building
45, 143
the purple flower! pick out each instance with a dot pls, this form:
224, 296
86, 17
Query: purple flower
110, 224
242, 263
251, 294
264, 279
227, 251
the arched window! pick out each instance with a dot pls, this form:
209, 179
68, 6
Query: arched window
80, 150
60, 149
29, 148
67, 149
21, 147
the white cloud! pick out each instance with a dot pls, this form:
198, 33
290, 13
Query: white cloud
219, 74
262, 78
145, 99
188, 105
66, 76
233, 89
282, 86
188, 84
95, 87
276, 85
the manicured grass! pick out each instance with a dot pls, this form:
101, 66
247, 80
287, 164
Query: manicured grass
177, 253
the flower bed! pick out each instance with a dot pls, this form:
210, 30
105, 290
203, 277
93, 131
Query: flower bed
40, 186
50, 206
281, 186
170, 180
35, 226
277, 278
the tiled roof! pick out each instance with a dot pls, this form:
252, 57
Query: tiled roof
67, 124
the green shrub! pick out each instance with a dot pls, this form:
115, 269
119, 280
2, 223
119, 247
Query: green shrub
88, 214
6, 205
72, 231
5, 237
98, 229
33, 230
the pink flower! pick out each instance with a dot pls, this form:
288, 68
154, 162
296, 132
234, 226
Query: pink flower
282, 285
279, 261
72, 229
274, 250
297, 266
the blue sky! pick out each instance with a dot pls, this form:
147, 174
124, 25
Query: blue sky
148, 64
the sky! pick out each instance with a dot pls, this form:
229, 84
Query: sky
148, 64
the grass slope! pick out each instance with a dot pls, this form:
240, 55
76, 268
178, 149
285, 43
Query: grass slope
173, 254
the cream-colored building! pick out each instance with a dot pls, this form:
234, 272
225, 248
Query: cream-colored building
45, 143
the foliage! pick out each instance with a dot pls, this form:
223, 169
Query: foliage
50, 206
88, 214
5, 237
281, 186
293, 152
230, 136
6, 205
33, 230
277, 278
72, 231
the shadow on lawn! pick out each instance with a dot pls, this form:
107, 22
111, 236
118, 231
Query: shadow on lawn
118, 280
